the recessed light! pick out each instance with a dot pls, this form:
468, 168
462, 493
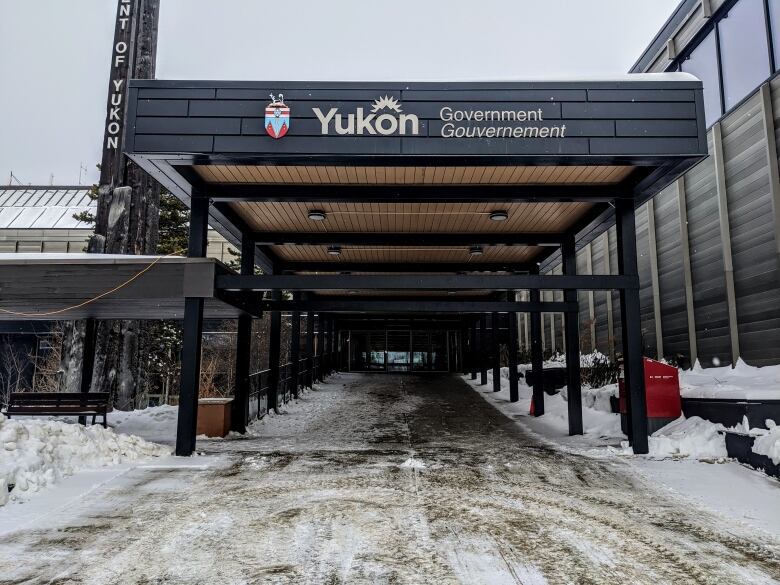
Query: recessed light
317, 215
499, 215
476, 251
334, 250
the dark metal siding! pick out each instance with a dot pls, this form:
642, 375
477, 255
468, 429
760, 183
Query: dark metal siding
709, 291
645, 282
751, 220
638, 118
674, 321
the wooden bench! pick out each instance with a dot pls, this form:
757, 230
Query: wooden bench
80, 404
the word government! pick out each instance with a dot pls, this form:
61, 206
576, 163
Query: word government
453, 126
386, 118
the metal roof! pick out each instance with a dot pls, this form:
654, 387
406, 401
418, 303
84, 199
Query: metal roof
31, 207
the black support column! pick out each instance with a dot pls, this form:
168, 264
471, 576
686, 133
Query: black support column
334, 346
192, 331
309, 349
514, 394
537, 355
473, 350
633, 366
295, 348
494, 321
320, 347
483, 349
463, 347
571, 326
274, 355
240, 411
87, 359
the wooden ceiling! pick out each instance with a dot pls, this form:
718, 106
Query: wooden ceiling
411, 217
406, 254
428, 175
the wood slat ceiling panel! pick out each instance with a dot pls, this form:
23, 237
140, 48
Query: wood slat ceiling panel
404, 293
411, 217
381, 254
361, 175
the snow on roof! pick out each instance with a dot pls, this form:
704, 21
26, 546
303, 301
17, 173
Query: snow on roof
26, 208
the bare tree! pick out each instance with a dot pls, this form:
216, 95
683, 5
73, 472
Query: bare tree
14, 365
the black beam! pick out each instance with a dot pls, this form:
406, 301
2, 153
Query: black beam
414, 193
633, 366
412, 305
240, 300
571, 327
514, 394
430, 268
274, 356
192, 332
263, 257
425, 282
295, 350
483, 349
309, 348
407, 239
240, 413
494, 333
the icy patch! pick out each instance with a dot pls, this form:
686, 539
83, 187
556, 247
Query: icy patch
37, 453
412, 463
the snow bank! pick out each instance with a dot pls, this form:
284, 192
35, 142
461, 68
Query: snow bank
693, 438
768, 442
742, 381
156, 423
37, 453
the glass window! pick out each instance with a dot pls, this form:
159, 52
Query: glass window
744, 54
703, 63
774, 19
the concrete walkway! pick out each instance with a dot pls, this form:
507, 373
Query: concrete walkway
386, 479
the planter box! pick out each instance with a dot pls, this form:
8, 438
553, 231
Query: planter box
730, 412
214, 416
553, 379
740, 447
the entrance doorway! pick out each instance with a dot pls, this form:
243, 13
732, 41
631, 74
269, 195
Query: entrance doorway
401, 351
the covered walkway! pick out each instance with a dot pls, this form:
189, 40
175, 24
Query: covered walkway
386, 479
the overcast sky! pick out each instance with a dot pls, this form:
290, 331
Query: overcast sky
54, 55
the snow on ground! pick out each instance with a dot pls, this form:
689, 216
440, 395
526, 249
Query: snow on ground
681, 454
322, 488
35, 454
742, 381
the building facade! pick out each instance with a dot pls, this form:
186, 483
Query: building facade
709, 244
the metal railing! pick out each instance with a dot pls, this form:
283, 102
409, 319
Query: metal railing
260, 382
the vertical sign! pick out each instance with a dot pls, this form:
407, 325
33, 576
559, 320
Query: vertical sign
122, 53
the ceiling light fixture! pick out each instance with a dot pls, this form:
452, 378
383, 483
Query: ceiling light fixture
476, 251
334, 250
317, 215
499, 215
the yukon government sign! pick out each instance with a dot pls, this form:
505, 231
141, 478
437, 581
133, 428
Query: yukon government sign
385, 116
